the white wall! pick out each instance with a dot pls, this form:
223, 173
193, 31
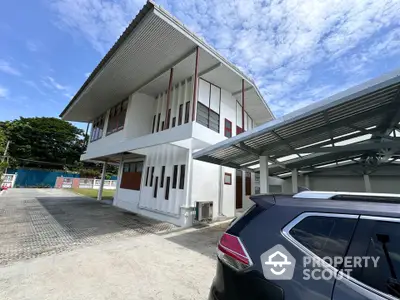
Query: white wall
229, 193
139, 116
206, 184
168, 156
348, 183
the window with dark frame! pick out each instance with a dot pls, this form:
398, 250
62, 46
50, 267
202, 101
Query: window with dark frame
167, 188
324, 236
154, 124
239, 130
155, 188
162, 125
167, 118
182, 177
381, 239
97, 128
173, 122
116, 119
158, 122
208, 105
228, 178
175, 177
131, 175
151, 176
162, 176
180, 114
147, 176
228, 128
187, 110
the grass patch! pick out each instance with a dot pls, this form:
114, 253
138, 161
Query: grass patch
92, 193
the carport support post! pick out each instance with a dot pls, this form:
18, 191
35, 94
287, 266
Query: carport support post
307, 181
264, 173
295, 186
103, 176
367, 183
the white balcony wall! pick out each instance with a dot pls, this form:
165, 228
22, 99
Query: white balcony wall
139, 115
181, 93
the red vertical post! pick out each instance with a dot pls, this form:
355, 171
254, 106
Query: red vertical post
242, 105
196, 73
167, 116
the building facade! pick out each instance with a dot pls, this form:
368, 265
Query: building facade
152, 104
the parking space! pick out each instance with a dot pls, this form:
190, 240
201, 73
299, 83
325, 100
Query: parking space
56, 245
35, 222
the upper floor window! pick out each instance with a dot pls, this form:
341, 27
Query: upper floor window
180, 114
116, 119
228, 128
187, 109
208, 107
97, 130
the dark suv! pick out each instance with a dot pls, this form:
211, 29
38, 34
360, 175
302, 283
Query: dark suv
329, 245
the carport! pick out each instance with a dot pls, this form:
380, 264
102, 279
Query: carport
355, 129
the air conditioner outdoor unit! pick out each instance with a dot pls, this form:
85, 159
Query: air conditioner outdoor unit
204, 211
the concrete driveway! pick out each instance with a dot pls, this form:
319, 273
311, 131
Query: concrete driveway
56, 245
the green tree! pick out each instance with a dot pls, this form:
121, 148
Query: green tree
48, 141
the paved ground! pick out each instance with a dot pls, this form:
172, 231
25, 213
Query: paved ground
56, 245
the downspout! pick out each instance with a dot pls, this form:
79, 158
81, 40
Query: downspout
196, 73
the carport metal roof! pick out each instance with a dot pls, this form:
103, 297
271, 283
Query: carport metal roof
359, 122
140, 61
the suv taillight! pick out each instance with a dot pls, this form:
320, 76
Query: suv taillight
232, 252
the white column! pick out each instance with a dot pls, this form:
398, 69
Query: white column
307, 181
221, 191
103, 176
119, 175
295, 186
243, 188
264, 173
253, 183
188, 179
367, 183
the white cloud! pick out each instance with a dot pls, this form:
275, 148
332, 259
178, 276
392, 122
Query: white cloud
87, 74
33, 46
53, 83
6, 67
297, 51
3, 92
33, 85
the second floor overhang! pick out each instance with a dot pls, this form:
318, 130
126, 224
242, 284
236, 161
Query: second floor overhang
141, 59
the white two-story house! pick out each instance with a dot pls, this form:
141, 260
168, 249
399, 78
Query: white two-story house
160, 94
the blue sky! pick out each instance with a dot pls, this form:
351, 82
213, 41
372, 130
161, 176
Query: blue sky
298, 52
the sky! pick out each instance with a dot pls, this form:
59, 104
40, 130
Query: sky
296, 51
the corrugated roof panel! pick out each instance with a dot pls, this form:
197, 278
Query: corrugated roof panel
303, 125
262, 139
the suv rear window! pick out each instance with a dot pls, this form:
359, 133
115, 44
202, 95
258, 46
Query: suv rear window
324, 236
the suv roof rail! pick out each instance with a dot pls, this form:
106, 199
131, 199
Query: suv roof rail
349, 196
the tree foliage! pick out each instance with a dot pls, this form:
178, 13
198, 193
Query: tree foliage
43, 141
